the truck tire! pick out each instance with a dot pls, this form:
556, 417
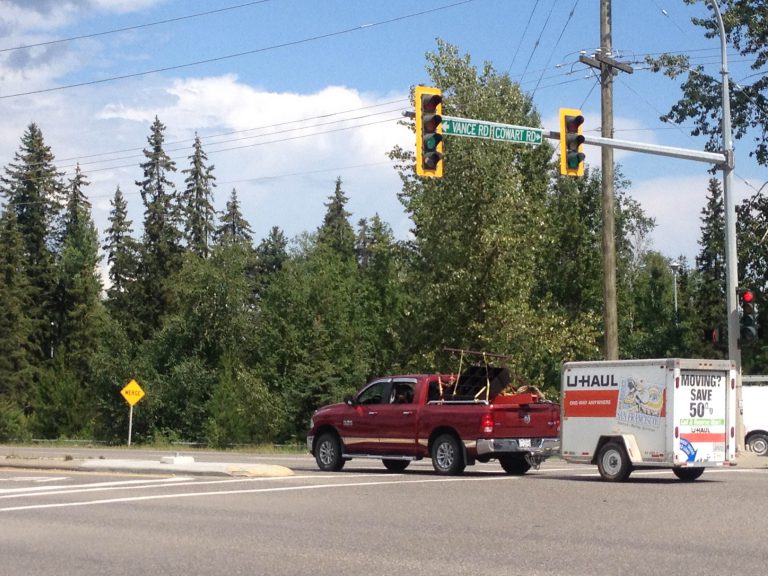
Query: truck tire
395, 465
515, 464
688, 474
613, 462
758, 443
328, 453
447, 456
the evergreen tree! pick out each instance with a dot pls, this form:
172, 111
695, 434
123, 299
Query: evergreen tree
272, 252
160, 250
79, 284
122, 254
384, 296
710, 266
32, 187
234, 227
270, 255
18, 367
197, 202
336, 232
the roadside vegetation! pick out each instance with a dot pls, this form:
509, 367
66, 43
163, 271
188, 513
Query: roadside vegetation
236, 340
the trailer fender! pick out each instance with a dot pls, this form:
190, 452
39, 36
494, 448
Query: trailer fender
630, 445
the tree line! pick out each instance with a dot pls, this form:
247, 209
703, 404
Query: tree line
237, 340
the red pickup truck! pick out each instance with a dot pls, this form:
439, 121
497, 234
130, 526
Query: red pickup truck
455, 421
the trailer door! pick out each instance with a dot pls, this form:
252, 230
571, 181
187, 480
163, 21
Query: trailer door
700, 423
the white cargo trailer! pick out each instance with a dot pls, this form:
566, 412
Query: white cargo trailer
666, 413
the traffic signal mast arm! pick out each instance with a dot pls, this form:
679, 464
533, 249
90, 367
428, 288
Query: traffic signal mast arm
716, 158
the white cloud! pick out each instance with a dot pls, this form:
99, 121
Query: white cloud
676, 203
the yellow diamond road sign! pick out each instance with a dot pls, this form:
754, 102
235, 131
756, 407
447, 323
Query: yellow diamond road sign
132, 392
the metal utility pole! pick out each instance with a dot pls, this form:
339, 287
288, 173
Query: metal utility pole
604, 61
731, 257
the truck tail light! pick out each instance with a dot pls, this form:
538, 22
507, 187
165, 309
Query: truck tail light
486, 424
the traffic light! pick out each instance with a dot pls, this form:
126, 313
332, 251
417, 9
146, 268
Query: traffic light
429, 132
571, 142
748, 317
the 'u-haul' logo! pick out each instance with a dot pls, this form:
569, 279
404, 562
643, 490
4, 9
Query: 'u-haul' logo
591, 381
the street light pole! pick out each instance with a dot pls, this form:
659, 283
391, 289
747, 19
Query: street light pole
675, 267
731, 257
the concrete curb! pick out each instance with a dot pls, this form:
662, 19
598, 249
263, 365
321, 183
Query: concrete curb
170, 467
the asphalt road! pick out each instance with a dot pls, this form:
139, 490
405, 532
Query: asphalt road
560, 520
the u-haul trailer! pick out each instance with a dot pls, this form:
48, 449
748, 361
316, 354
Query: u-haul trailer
667, 413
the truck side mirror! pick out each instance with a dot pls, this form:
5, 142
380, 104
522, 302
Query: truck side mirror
349, 401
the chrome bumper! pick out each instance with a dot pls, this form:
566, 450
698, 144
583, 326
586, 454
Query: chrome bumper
542, 446
310, 442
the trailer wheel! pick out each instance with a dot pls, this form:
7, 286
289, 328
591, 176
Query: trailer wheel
328, 453
447, 457
613, 462
515, 464
758, 443
395, 465
688, 474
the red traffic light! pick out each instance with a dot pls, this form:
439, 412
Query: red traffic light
747, 296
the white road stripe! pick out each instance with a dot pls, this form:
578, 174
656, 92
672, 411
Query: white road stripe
14, 492
249, 491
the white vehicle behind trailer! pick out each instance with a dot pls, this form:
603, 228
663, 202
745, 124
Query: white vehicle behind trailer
666, 413
754, 398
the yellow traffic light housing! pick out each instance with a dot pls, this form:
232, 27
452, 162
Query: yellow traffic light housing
429, 131
571, 142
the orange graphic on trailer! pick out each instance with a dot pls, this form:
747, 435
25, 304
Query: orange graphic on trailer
590, 403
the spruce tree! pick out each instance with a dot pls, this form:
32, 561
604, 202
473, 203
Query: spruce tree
122, 253
710, 265
33, 189
160, 253
234, 227
79, 283
197, 202
17, 353
336, 232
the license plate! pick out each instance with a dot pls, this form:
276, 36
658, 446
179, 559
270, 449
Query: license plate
524, 442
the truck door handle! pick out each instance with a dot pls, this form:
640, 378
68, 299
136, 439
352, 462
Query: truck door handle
407, 412
372, 413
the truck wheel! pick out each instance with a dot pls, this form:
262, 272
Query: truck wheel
447, 457
688, 474
758, 443
395, 465
328, 453
613, 462
515, 464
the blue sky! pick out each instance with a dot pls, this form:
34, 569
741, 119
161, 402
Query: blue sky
262, 66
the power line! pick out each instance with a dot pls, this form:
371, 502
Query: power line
520, 43
538, 40
128, 28
554, 47
239, 54
207, 138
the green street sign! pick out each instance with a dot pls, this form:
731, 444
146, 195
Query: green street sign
491, 131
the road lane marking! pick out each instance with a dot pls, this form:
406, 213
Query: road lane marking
248, 491
148, 483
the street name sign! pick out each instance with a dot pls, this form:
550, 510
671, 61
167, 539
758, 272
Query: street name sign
491, 131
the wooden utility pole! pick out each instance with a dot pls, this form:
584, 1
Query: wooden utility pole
603, 60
